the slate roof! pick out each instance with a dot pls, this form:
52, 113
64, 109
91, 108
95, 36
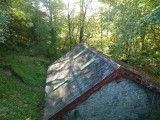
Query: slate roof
71, 76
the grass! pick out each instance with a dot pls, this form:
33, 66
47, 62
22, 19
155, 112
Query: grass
32, 70
17, 102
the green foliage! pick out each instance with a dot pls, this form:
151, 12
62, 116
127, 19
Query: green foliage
17, 102
135, 39
4, 21
31, 70
22, 17
153, 17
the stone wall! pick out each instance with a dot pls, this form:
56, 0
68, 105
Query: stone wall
126, 99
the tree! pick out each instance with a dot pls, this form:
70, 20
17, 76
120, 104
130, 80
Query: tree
54, 9
134, 26
84, 5
5, 20
69, 25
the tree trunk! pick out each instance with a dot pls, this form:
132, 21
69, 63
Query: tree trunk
101, 32
142, 41
52, 28
69, 26
82, 19
155, 38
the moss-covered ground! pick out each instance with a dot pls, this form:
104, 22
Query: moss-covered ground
16, 101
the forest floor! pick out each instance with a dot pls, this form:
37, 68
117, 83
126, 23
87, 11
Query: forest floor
22, 81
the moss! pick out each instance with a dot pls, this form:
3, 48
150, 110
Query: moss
17, 102
31, 70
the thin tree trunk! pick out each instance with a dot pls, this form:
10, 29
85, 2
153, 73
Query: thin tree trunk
128, 50
155, 37
82, 19
69, 26
9, 5
101, 33
32, 32
52, 27
142, 41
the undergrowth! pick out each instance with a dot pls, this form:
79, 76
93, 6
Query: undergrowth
32, 70
17, 102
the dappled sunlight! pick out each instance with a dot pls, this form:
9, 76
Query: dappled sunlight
92, 7
66, 84
28, 118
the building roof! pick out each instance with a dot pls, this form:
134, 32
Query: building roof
81, 72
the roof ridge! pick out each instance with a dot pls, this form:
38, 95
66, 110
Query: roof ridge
90, 78
125, 65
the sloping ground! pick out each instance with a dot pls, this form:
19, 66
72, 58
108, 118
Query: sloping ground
30, 69
20, 81
21, 87
17, 102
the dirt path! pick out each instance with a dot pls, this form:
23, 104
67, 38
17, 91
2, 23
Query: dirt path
19, 80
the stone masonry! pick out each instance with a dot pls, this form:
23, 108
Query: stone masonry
113, 101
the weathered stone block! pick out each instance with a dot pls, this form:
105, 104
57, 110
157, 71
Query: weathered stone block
119, 101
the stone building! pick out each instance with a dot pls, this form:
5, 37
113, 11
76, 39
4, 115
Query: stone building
87, 85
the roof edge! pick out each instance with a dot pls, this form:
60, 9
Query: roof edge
121, 71
139, 79
111, 77
116, 75
128, 67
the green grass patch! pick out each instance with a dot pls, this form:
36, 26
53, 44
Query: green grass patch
32, 70
17, 102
